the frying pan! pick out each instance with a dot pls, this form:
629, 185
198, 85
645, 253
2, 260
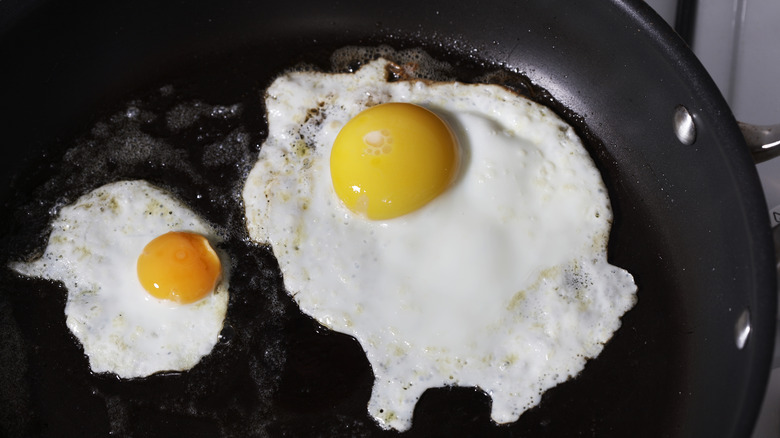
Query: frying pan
691, 359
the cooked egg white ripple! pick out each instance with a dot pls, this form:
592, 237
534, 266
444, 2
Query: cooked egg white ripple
93, 248
501, 282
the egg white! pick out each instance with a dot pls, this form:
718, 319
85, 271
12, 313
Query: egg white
93, 249
502, 282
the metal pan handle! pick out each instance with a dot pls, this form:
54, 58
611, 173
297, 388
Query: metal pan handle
763, 141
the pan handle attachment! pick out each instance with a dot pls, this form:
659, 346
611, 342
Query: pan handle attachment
763, 141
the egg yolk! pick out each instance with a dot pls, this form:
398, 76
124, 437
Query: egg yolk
392, 159
179, 266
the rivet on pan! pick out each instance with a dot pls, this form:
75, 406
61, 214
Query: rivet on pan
684, 127
742, 329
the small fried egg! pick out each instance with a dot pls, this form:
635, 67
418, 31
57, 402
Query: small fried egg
147, 292
457, 231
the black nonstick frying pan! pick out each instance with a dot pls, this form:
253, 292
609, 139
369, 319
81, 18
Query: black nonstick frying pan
691, 359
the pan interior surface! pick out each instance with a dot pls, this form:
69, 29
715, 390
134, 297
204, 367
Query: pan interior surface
689, 220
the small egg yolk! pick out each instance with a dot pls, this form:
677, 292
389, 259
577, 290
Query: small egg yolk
392, 159
179, 266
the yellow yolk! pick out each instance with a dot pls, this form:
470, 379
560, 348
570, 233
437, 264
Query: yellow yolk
392, 159
179, 266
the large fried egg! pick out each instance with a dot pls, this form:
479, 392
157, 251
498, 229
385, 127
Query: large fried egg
146, 290
458, 232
